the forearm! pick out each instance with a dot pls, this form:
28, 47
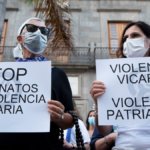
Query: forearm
86, 145
104, 130
102, 145
67, 122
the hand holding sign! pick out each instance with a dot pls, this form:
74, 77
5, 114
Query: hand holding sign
98, 89
56, 109
127, 99
23, 97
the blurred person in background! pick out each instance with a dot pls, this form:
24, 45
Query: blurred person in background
70, 134
90, 122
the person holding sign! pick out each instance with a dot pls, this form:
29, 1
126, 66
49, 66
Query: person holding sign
135, 42
32, 37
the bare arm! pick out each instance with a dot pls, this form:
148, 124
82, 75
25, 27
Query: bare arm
104, 130
67, 122
101, 145
70, 146
87, 146
98, 89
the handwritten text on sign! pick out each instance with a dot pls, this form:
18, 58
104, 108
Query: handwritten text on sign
24, 91
127, 96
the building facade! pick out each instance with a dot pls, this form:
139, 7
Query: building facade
96, 25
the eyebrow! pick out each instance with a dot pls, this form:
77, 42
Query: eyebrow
131, 34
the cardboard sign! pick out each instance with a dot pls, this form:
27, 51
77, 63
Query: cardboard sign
25, 88
127, 97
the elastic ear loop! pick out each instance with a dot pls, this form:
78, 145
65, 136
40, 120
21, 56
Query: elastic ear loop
147, 40
20, 48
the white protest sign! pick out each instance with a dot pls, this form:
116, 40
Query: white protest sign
127, 96
25, 88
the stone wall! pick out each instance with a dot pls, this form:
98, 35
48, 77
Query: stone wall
89, 26
16, 14
91, 17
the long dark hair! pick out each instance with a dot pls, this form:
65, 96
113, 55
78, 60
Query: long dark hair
76, 111
143, 26
87, 123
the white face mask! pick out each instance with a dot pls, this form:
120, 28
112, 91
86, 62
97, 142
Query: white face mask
35, 42
135, 47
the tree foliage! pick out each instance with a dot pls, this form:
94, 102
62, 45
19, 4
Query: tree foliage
54, 11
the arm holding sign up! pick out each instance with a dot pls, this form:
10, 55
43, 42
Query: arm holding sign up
61, 100
98, 89
128, 83
55, 108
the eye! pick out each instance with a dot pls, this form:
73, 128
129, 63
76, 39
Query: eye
135, 35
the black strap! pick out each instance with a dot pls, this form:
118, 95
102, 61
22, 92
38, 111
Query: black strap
79, 137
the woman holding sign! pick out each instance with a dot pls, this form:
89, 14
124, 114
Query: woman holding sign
134, 43
32, 37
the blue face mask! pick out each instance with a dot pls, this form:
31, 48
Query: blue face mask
91, 121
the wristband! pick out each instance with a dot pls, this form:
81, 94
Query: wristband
106, 141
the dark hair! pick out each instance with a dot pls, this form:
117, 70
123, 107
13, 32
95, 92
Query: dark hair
76, 111
87, 123
143, 26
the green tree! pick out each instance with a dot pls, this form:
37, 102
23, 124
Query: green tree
54, 12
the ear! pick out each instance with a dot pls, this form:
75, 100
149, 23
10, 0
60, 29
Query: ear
19, 38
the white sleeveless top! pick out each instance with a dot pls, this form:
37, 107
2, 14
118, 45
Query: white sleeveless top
134, 136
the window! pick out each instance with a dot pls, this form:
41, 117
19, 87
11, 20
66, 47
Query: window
115, 31
3, 34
